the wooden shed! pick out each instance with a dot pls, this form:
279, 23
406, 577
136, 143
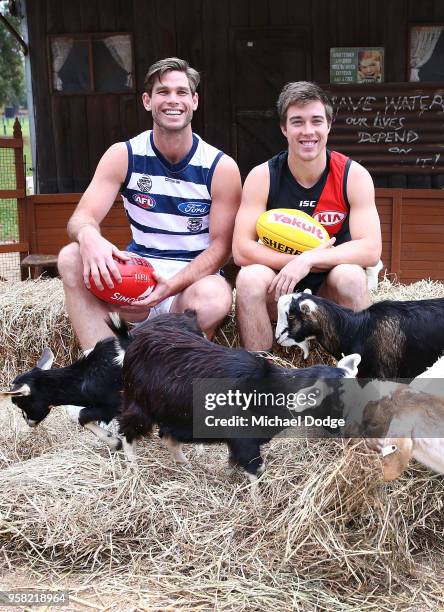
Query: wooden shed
88, 60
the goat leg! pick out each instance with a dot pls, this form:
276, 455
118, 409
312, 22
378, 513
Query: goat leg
175, 449
104, 435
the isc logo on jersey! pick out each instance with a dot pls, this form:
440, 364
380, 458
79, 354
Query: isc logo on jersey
329, 217
143, 200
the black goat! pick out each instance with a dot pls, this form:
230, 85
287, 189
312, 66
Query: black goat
159, 367
90, 389
395, 339
93, 384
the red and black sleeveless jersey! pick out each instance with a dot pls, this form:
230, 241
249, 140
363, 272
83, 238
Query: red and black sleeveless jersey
326, 201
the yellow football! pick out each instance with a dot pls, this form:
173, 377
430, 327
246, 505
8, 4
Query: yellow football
290, 231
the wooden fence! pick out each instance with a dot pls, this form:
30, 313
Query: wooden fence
13, 233
412, 223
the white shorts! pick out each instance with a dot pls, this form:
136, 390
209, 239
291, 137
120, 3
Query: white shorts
166, 268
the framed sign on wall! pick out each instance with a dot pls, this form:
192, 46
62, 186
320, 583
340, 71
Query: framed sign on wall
356, 65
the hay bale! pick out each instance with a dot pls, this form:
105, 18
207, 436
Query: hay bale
33, 316
327, 533
327, 530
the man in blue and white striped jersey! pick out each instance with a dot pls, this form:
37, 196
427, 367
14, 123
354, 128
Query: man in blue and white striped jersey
181, 196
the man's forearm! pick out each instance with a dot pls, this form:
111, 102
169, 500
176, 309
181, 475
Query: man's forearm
80, 222
208, 262
359, 252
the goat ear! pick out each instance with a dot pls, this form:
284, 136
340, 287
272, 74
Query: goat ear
20, 390
46, 360
307, 306
350, 363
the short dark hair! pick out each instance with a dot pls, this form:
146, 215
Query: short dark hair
302, 92
158, 69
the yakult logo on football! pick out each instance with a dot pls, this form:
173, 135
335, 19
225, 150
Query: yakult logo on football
329, 217
143, 200
304, 226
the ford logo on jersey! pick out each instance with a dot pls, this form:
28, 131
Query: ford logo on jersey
194, 209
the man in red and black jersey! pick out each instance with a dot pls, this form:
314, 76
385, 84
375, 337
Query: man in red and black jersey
335, 190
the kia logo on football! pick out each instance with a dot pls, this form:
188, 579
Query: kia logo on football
143, 200
329, 217
194, 208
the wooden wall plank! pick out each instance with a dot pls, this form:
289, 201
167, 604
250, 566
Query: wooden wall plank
112, 129
189, 19
71, 17
258, 14
239, 13
145, 54
323, 37
107, 16
94, 117
79, 137
395, 40
46, 158
217, 120
129, 121
54, 15
125, 16
421, 11
278, 13
62, 126
89, 15
395, 254
164, 28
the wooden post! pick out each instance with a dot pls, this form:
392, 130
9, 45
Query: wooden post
396, 233
20, 183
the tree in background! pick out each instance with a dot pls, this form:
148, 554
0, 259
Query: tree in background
12, 71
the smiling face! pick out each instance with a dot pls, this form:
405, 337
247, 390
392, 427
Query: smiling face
370, 68
306, 129
171, 102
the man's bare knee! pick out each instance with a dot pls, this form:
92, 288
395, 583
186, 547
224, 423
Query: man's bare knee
253, 281
69, 263
211, 297
347, 285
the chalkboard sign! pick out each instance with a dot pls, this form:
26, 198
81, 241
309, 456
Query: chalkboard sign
390, 128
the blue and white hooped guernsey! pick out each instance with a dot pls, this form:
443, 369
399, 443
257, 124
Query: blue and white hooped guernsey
168, 205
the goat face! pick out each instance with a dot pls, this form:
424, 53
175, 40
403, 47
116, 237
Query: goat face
376, 418
23, 391
297, 321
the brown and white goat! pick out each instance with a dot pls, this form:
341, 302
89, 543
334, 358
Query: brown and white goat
404, 425
395, 339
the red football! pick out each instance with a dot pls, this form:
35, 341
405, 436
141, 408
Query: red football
137, 282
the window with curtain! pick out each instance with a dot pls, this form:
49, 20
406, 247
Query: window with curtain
426, 53
92, 63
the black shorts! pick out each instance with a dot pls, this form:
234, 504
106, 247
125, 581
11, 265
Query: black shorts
312, 281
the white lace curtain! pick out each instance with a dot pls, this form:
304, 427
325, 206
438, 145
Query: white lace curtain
422, 44
120, 48
60, 51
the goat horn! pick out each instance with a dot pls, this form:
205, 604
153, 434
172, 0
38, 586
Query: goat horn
46, 360
21, 391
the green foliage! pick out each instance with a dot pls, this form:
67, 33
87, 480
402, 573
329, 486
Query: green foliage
12, 72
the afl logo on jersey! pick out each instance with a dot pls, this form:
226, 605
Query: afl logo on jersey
144, 201
145, 183
329, 217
